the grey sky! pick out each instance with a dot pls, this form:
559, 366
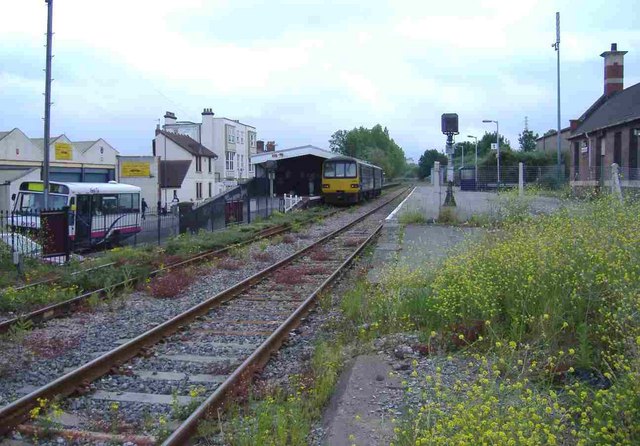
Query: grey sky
299, 70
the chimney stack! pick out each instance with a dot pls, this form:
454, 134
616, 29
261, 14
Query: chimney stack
206, 130
613, 70
259, 146
169, 118
271, 146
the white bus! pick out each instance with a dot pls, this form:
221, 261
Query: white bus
99, 213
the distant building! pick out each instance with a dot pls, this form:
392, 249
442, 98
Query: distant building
231, 142
548, 143
188, 164
609, 131
144, 172
21, 160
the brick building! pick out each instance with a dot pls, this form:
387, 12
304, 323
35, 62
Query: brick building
609, 131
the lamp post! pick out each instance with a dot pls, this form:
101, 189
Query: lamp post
476, 164
497, 145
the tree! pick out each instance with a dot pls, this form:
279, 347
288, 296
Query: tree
373, 145
427, 159
527, 140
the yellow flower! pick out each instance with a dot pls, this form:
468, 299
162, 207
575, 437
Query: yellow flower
545, 316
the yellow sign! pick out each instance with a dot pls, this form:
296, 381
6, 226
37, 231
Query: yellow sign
36, 187
135, 169
64, 151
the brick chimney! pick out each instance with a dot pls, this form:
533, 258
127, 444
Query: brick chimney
169, 118
574, 124
271, 146
259, 146
613, 70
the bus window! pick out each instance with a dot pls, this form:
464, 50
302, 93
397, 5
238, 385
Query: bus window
128, 202
33, 203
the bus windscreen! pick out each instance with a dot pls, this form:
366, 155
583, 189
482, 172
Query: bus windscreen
29, 203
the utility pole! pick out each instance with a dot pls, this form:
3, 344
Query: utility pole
47, 104
556, 46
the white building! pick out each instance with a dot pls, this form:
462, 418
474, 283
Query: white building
232, 141
186, 167
21, 160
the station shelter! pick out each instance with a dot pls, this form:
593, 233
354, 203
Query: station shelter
295, 171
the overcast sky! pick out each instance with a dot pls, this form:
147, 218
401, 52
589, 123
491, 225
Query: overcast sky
299, 70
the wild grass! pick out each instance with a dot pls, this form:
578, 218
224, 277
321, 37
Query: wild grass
547, 310
415, 217
284, 415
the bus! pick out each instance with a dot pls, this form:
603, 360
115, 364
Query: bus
99, 213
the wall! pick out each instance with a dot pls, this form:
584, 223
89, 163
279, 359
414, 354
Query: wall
150, 184
18, 140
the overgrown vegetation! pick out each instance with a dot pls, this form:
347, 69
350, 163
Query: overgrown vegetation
546, 313
131, 264
282, 416
415, 217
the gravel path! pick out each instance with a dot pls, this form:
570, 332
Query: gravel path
39, 356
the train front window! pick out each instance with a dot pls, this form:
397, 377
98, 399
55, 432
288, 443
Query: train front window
33, 203
340, 169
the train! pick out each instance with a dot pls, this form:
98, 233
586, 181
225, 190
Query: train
347, 180
99, 213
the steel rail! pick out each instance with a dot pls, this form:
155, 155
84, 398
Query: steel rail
62, 308
258, 358
13, 413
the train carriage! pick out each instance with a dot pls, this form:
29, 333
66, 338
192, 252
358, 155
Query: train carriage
99, 213
350, 180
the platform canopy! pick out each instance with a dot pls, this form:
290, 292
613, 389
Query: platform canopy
293, 152
293, 171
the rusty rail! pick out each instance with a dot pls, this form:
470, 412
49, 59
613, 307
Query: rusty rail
12, 414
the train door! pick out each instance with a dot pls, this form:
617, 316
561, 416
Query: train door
83, 220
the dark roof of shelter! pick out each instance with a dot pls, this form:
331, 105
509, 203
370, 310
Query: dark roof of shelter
620, 108
189, 144
175, 171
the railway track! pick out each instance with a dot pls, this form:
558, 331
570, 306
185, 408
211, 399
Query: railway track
214, 347
63, 308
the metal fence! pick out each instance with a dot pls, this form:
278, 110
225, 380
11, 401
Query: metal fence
487, 178
43, 234
242, 204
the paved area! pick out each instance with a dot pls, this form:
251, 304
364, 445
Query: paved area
355, 414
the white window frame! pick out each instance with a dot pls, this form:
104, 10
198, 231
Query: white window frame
198, 164
198, 190
210, 189
229, 159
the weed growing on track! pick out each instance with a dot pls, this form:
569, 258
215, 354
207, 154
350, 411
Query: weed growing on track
284, 416
170, 284
35, 297
546, 312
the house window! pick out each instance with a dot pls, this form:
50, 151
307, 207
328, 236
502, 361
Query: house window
198, 191
210, 189
198, 164
251, 166
210, 164
617, 148
229, 160
634, 138
576, 159
252, 139
231, 136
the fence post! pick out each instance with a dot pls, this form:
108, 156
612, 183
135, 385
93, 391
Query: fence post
616, 189
521, 179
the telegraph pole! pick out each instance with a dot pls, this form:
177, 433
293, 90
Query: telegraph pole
47, 104
556, 45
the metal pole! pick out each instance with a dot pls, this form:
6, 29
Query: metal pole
462, 156
47, 104
498, 145
557, 46
476, 159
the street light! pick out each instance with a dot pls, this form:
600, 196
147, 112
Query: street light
476, 138
497, 145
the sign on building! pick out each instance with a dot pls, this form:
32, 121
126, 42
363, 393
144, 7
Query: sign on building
135, 169
63, 151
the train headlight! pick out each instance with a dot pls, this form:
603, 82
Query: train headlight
325, 186
355, 186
